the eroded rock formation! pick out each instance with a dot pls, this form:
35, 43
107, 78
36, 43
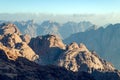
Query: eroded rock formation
13, 45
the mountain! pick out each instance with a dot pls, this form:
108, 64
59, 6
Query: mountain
98, 19
78, 57
27, 27
18, 59
52, 50
48, 47
51, 27
104, 41
13, 45
73, 57
70, 28
48, 58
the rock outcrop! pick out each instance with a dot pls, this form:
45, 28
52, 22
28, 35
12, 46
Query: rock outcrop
79, 58
8, 29
13, 45
48, 47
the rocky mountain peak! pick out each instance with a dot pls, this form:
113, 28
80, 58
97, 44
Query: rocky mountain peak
13, 45
48, 47
79, 58
47, 41
9, 29
82, 47
75, 46
55, 41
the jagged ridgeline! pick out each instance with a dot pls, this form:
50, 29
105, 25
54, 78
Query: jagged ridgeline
48, 58
64, 30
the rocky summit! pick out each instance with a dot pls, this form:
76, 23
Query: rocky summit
13, 45
6, 28
48, 47
78, 57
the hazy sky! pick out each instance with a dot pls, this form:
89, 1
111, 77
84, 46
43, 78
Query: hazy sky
60, 6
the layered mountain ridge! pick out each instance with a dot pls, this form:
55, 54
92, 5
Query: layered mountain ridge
63, 30
24, 58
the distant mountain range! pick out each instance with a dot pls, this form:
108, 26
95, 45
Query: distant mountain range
105, 41
50, 27
98, 19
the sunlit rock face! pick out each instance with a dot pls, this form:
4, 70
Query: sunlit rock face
13, 45
8, 29
78, 57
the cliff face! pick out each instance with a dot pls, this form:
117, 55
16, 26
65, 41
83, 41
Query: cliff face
13, 45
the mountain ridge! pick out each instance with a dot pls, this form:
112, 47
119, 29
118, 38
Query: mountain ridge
63, 30
40, 58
